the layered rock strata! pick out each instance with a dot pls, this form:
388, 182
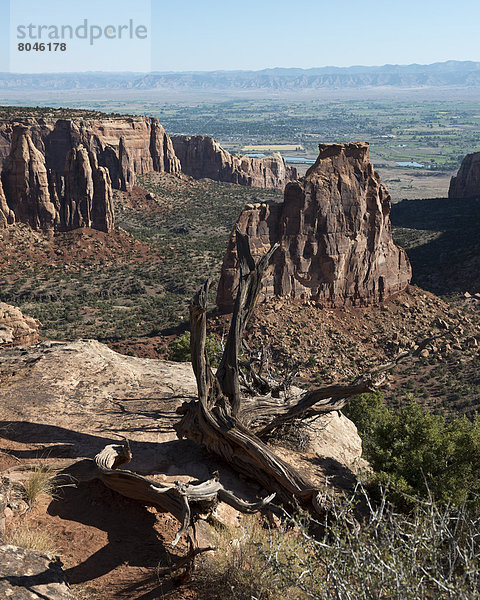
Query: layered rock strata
81, 196
88, 200
25, 182
334, 232
126, 147
466, 184
53, 170
202, 156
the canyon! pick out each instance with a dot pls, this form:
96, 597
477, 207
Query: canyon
59, 173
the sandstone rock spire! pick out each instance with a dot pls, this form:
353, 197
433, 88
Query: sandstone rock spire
25, 182
333, 227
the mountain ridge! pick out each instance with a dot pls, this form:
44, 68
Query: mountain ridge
440, 74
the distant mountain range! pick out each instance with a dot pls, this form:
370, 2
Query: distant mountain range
444, 74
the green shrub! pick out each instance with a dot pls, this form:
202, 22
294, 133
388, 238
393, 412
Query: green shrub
179, 349
417, 452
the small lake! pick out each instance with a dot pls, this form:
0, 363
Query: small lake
298, 160
409, 163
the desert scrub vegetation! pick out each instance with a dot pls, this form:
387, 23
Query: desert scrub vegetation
179, 349
26, 535
415, 453
432, 552
41, 481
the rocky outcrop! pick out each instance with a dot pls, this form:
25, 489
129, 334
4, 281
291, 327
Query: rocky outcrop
78, 196
7, 216
127, 146
202, 156
333, 228
141, 396
466, 184
31, 575
25, 182
42, 167
88, 193
17, 329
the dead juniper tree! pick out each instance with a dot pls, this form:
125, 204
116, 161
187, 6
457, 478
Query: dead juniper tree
232, 420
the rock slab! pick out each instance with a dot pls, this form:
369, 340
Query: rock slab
31, 575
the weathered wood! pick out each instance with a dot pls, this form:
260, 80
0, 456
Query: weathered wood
230, 424
186, 501
213, 421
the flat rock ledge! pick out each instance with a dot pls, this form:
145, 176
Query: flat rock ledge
31, 575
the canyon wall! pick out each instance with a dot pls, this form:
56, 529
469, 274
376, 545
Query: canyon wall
466, 184
202, 156
59, 173
334, 232
127, 146
81, 196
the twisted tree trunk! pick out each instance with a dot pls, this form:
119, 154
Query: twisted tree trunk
232, 425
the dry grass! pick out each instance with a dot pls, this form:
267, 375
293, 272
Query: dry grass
431, 553
25, 535
41, 481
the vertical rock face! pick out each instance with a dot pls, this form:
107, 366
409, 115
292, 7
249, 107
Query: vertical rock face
103, 216
127, 147
88, 193
25, 182
334, 233
202, 156
82, 197
466, 184
162, 150
7, 216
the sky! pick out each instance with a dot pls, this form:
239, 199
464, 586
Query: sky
194, 35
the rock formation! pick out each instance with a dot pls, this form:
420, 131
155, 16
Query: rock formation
333, 228
59, 174
202, 156
466, 184
126, 146
80, 195
145, 385
7, 216
33, 575
25, 182
17, 329
88, 193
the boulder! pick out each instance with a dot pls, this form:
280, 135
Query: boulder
17, 329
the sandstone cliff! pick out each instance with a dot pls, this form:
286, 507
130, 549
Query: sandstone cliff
78, 195
334, 232
25, 182
202, 156
126, 147
88, 193
7, 216
466, 184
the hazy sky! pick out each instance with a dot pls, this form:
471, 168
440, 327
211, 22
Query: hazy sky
256, 34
